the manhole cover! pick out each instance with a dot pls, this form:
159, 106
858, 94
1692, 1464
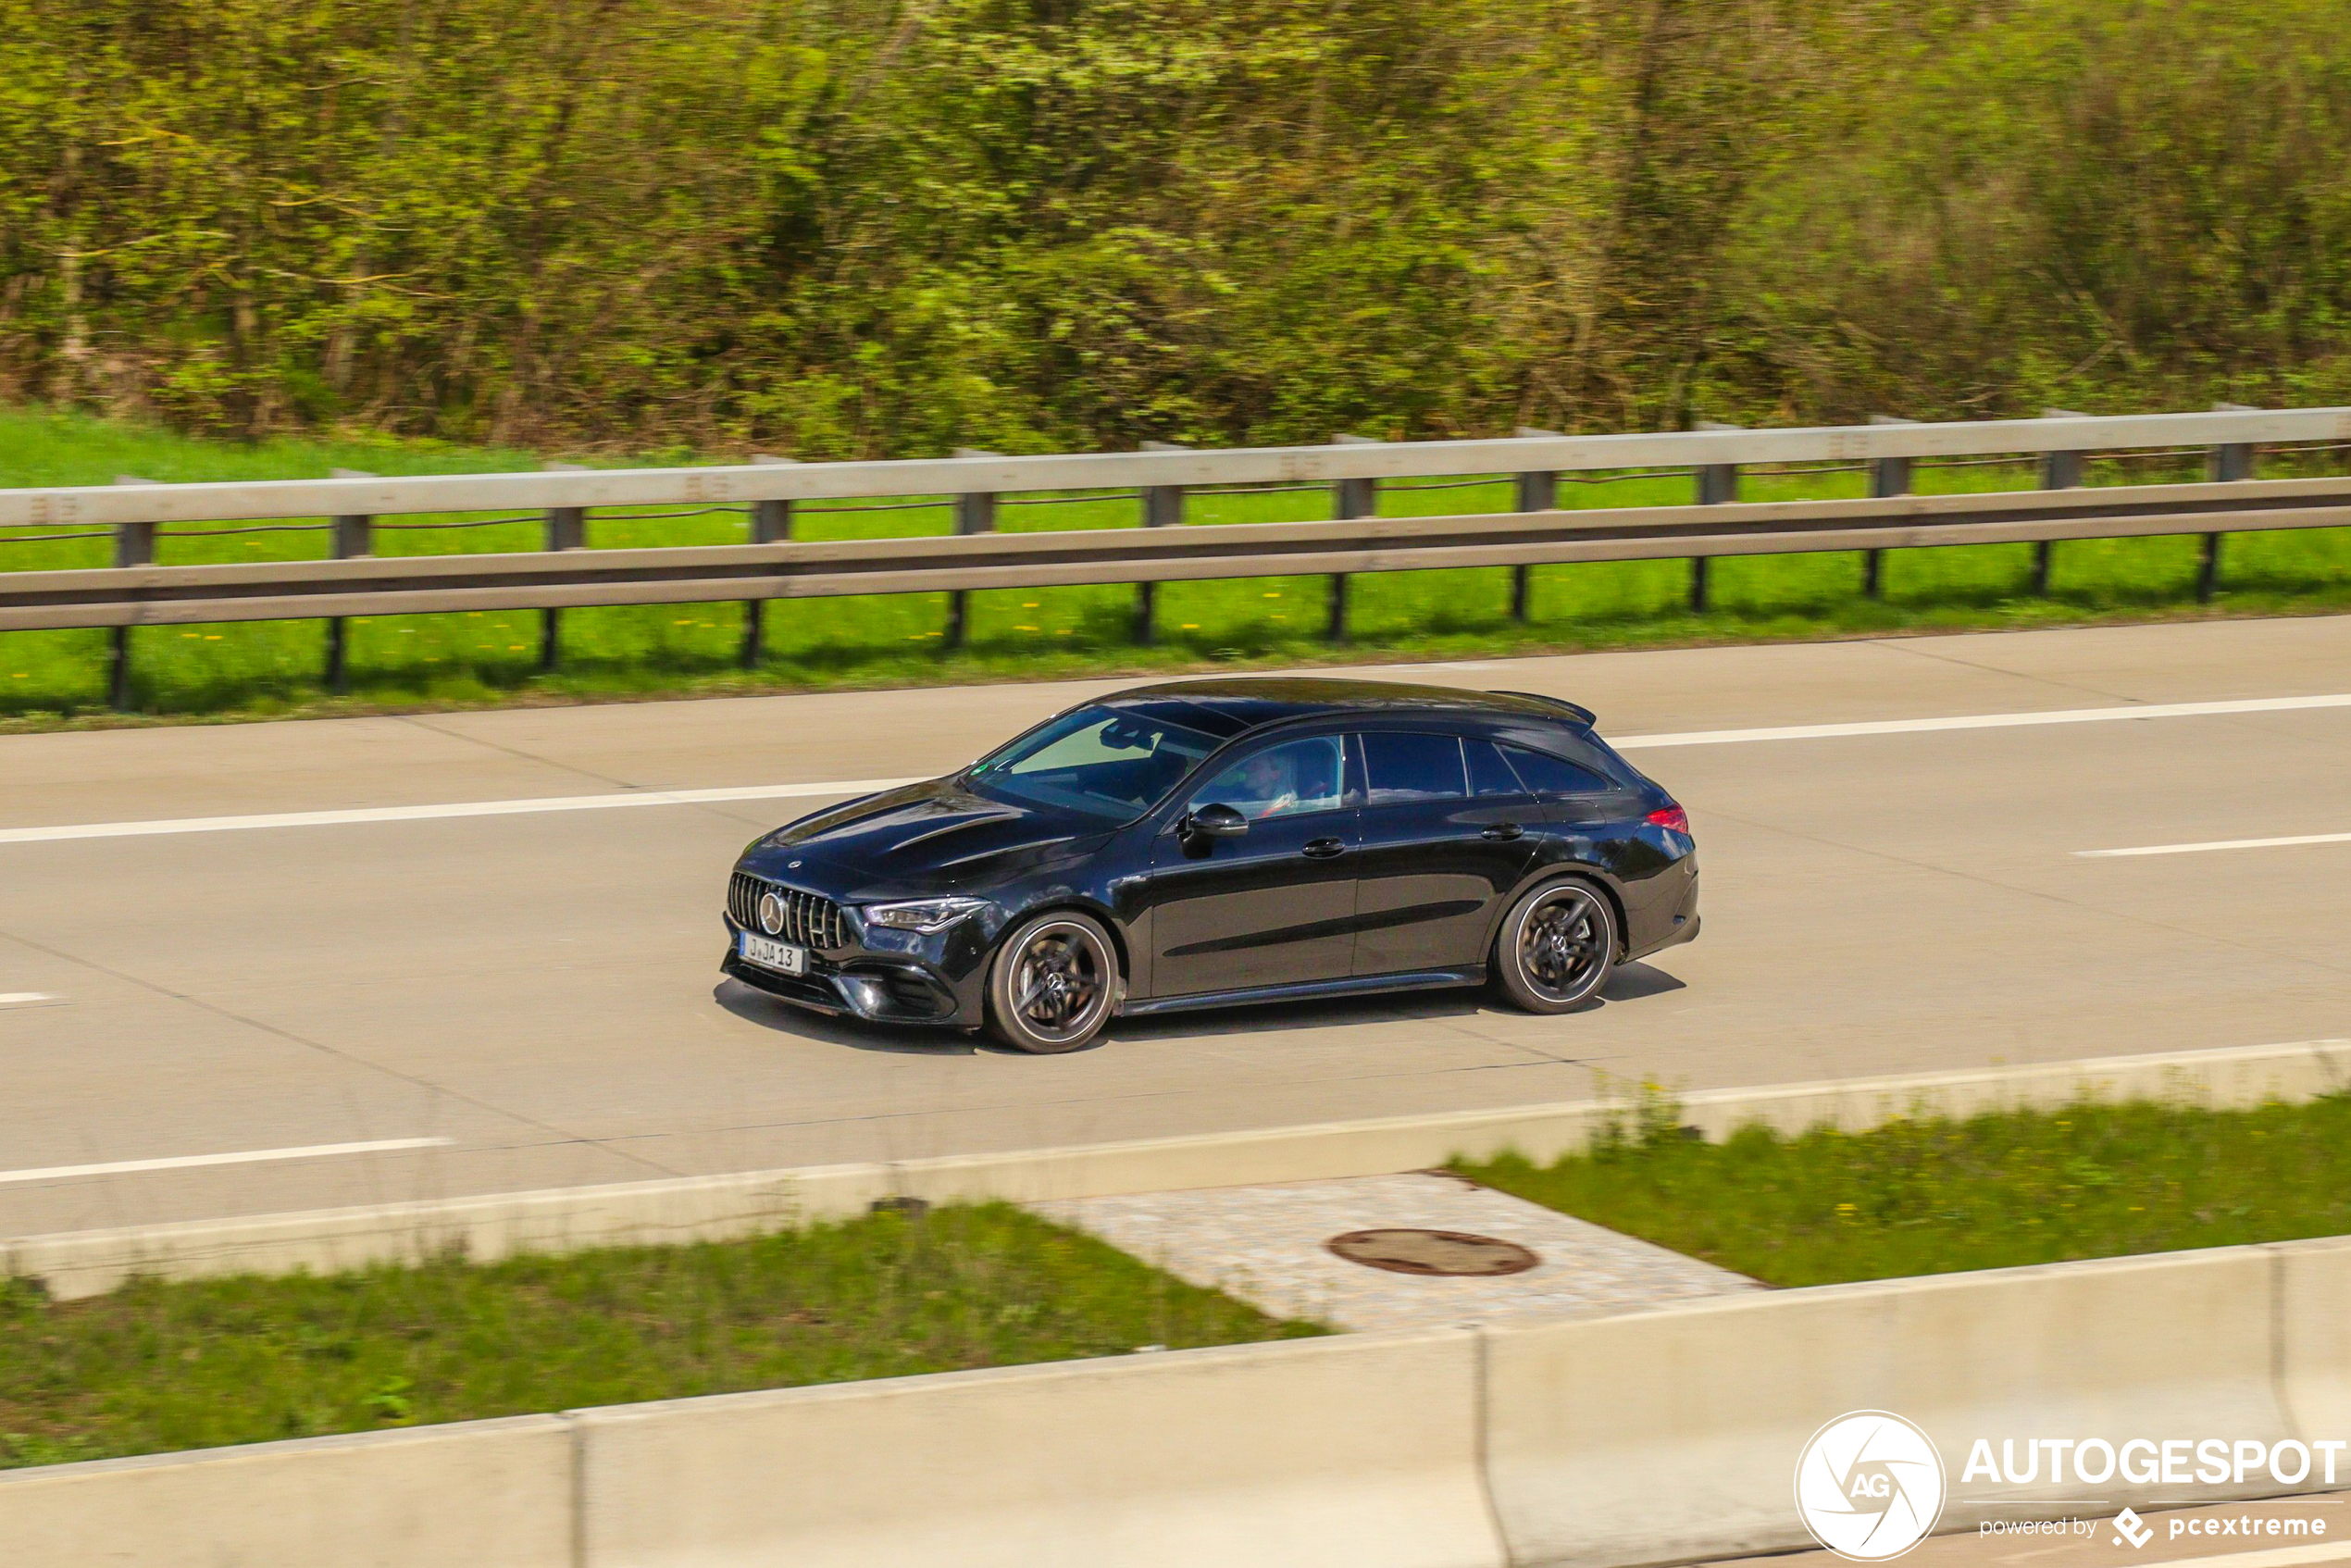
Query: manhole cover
1433, 1251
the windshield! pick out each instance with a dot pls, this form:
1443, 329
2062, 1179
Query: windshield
1100, 761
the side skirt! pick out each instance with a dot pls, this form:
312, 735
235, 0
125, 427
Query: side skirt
1305, 990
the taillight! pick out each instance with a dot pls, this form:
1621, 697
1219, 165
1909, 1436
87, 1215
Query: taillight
1674, 819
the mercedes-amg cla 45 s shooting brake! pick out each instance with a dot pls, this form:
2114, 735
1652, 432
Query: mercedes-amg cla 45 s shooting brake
1208, 842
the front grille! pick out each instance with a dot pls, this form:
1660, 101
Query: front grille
809, 920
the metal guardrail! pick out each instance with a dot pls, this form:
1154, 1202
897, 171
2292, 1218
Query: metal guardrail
136, 592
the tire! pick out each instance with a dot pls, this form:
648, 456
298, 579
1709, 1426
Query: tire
1557, 948
1053, 983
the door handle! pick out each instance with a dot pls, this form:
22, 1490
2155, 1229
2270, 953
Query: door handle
1503, 830
1323, 849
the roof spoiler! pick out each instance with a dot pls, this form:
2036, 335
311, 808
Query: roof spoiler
1582, 714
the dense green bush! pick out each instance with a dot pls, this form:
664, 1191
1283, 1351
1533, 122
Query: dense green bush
861, 226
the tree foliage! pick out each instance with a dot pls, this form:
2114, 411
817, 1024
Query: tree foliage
843, 227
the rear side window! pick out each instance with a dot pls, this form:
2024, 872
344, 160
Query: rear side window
1400, 768
1547, 774
1489, 775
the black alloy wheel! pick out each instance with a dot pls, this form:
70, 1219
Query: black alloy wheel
1557, 948
1053, 984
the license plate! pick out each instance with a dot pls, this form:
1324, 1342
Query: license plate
782, 957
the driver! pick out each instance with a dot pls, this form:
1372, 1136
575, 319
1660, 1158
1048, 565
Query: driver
1269, 781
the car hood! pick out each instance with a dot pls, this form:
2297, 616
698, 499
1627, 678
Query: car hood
920, 837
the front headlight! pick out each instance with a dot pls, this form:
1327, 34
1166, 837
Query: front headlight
921, 915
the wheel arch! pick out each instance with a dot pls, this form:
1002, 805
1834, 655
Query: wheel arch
1071, 902
1564, 871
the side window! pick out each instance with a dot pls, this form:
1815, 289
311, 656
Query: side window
1547, 774
1403, 768
1285, 781
1489, 775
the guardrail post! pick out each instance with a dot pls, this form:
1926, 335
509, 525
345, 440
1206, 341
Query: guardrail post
770, 524
1162, 508
975, 513
1718, 485
352, 536
134, 545
2224, 464
1539, 491
567, 529
2060, 470
1350, 498
1889, 476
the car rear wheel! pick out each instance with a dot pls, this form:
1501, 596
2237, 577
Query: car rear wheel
1557, 948
1053, 983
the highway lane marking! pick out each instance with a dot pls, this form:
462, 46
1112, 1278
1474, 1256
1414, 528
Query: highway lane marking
2219, 844
845, 787
450, 809
1987, 721
248, 1157
25, 998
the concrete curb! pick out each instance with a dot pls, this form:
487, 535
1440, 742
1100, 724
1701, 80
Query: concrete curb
715, 1208
1658, 1437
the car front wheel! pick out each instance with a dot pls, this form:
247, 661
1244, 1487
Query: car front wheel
1557, 948
1053, 983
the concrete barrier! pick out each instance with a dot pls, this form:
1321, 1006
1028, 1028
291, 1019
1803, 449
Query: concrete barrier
486, 1494
715, 1208
1673, 1434
2314, 1332
1359, 1451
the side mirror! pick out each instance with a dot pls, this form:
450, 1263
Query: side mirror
1215, 822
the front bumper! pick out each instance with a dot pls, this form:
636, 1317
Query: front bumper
860, 971
882, 995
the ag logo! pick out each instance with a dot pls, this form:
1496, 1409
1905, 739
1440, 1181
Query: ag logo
1869, 1486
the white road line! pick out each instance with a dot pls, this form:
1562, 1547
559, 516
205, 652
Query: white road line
1987, 721
845, 787
2219, 844
24, 999
250, 1157
433, 813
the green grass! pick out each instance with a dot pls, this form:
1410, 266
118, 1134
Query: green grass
1938, 1195
157, 1366
259, 669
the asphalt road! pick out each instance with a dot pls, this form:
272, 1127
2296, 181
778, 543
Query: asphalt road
536, 992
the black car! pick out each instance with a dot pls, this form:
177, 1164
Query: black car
1207, 843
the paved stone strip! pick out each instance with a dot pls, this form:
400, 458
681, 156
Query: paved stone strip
1269, 1246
